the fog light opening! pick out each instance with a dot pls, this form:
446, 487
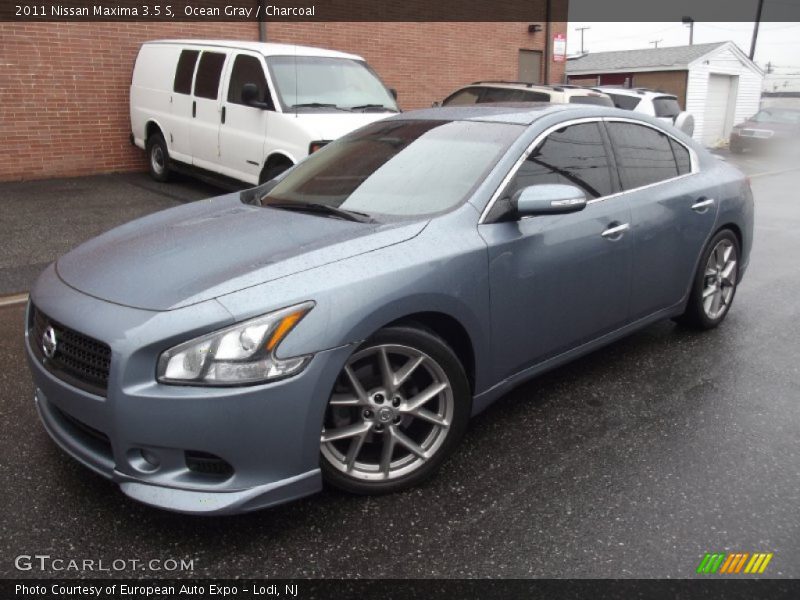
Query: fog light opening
205, 463
144, 461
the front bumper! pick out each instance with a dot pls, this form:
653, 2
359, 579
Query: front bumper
267, 434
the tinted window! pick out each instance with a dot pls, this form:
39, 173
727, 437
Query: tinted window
625, 102
643, 154
599, 100
206, 84
463, 98
184, 72
247, 69
399, 168
681, 157
666, 107
574, 155
510, 95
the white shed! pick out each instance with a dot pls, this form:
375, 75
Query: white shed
717, 83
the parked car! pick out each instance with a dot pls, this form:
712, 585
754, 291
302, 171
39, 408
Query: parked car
482, 92
344, 320
246, 110
770, 127
655, 104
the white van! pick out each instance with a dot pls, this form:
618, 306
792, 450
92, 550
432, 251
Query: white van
246, 110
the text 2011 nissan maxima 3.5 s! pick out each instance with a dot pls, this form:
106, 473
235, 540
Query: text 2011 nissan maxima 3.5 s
343, 321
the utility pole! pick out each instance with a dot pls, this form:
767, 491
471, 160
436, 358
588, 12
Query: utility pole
582, 29
690, 22
755, 29
655, 42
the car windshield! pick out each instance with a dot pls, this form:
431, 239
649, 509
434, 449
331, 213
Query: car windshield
600, 100
317, 83
777, 115
397, 168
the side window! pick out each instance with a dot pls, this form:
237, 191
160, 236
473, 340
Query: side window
574, 155
644, 155
681, 157
624, 102
535, 97
206, 84
463, 98
184, 72
247, 69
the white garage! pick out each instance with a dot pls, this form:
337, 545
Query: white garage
716, 82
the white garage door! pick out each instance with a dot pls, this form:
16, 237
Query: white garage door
715, 119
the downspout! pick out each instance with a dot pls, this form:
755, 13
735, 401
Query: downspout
547, 16
262, 23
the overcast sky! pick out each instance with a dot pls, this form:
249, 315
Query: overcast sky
777, 42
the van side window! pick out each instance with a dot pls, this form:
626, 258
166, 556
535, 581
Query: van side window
247, 69
206, 84
184, 72
644, 155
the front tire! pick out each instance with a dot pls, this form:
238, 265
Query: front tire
158, 157
399, 407
715, 282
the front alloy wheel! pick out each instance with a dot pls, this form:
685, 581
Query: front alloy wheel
398, 407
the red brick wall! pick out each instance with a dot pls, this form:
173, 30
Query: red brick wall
64, 86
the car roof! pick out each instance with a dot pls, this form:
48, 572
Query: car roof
518, 113
265, 48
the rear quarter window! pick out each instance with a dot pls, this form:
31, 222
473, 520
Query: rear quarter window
666, 106
463, 97
596, 100
625, 102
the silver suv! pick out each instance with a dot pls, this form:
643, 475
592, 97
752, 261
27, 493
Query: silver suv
664, 107
482, 92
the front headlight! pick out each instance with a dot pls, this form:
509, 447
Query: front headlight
237, 355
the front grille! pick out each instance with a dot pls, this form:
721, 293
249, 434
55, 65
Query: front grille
78, 359
757, 133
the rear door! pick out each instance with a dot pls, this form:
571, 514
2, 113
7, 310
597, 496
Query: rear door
673, 211
244, 128
207, 108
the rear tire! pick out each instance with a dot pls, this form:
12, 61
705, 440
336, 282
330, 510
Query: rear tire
714, 283
158, 157
273, 169
399, 408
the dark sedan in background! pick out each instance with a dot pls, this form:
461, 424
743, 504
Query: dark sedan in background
772, 128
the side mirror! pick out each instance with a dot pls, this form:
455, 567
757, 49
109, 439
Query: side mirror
436, 104
393, 92
250, 97
548, 199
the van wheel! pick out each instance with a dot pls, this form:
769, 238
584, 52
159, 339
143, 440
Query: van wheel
272, 169
158, 157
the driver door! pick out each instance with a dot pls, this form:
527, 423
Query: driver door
559, 281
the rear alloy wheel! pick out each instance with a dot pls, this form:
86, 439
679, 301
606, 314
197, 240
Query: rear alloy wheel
399, 406
715, 282
158, 157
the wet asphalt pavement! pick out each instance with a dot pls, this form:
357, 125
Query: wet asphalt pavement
631, 462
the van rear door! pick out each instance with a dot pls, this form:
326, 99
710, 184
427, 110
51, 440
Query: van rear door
244, 127
206, 109
181, 100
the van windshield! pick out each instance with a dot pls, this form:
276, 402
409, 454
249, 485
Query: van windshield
318, 83
396, 168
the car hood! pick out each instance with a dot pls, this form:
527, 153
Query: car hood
331, 126
209, 248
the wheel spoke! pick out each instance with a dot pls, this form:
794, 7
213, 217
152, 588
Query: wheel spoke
405, 372
726, 253
361, 394
727, 273
387, 375
426, 395
344, 400
429, 416
406, 441
709, 290
386, 454
719, 257
345, 432
355, 448
715, 303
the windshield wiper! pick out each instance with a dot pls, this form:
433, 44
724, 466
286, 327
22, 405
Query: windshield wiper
319, 105
318, 207
366, 107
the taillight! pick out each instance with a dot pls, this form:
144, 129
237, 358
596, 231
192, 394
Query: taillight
314, 146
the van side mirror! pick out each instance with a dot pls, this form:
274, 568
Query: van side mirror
548, 199
250, 97
393, 92
436, 104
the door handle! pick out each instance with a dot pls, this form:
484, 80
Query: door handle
702, 205
616, 231
223, 114
194, 108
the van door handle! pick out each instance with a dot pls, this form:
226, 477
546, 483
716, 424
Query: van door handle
223, 114
615, 232
701, 205
194, 108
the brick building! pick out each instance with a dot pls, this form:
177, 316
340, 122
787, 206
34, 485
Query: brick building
64, 86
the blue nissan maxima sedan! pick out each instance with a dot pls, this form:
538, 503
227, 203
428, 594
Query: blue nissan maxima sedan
342, 322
